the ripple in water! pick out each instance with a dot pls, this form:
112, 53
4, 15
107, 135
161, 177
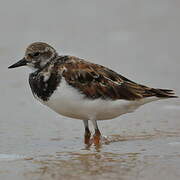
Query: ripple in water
10, 157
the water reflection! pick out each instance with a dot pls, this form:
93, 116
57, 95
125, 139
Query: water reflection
118, 157
86, 165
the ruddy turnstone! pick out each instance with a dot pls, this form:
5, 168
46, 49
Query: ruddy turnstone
79, 89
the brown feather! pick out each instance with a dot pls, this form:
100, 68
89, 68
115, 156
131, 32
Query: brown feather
96, 81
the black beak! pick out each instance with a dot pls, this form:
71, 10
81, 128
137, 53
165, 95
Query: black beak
22, 62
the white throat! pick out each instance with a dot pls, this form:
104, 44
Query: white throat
32, 68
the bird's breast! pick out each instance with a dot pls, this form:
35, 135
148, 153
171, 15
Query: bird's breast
43, 85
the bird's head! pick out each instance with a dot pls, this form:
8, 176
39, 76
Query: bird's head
37, 55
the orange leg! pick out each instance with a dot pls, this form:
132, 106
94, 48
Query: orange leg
87, 133
97, 137
97, 134
87, 136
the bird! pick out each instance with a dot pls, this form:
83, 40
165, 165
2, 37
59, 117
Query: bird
79, 89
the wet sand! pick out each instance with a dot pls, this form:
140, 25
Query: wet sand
137, 39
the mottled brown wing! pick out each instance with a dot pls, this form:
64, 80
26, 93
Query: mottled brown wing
95, 81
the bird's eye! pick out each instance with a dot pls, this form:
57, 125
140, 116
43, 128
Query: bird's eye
36, 54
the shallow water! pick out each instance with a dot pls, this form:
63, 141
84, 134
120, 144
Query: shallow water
138, 39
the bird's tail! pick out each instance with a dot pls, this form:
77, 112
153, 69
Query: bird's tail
164, 93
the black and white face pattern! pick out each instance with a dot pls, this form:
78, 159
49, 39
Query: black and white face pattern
38, 54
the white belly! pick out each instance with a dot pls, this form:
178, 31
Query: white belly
67, 101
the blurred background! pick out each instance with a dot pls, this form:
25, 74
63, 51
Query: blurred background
140, 40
